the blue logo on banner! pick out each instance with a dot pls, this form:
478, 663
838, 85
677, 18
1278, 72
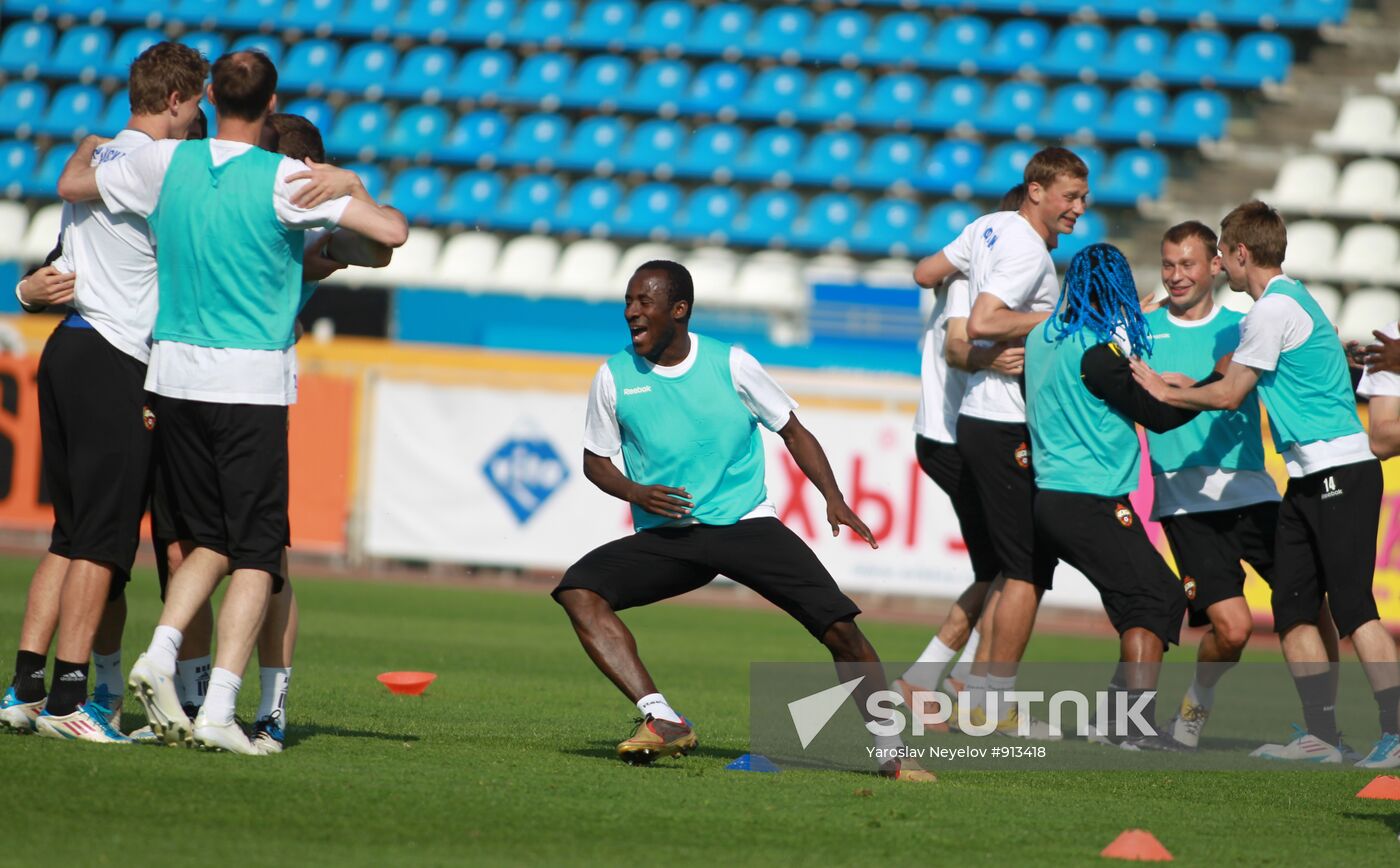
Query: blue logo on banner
525, 471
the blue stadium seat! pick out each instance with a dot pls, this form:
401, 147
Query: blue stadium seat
427, 19
659, 86
900, 40
1135, 174
665, 25
253, 14
1003, 169
767, 218
840, 37
148, 12
484, 21
17, 162
1096, 162
775, 93
887, 228
944, 223
1015, 107
650, 211
309, 65
604, 24
416, 133
269, 45
655, 145
959, 44
367, 18
423, 75
315, 110
535, 139
1075, 109
25, 47
1136, 51
209, 44
1196, 115
544, 21
829, 220
1076, 49
712, 151
75, 110
709, 214
830, 159
21, 102
1089, 229
475, 135
770, 155
717, 89
1016, 45
891, 159
951, 167
371, 175
1185, 10
955, 101
1254, 13
894, 100
780, 32
472, 199
594, 145
317, 17
1311, 13
598, 82
1258, 58
541, 79
358, 130
197, 13
1135, 113
482, 74
1196, 55
835, 95
129, 46
591, 206
44, 182
416, 192
366, 68
81, 53
722, 30
115, 116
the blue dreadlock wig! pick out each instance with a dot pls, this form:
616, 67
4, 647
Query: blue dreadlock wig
1100, 295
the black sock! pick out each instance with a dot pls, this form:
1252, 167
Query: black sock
29, 676
1319, 708
1148, 713
1389, 702
70, 687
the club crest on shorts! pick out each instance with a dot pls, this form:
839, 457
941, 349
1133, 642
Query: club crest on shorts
148, 418
1188, 585
1023, 455
1124, 515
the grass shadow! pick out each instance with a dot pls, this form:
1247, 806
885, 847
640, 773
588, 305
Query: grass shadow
607, 750
1392, 820
306, 731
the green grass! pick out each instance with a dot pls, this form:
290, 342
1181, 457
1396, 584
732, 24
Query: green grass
509, 759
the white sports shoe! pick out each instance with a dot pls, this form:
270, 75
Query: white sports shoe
145, 735
86, 724
1305, 747
156, 692
222, 736
1385, 754
1185, 728
19, 716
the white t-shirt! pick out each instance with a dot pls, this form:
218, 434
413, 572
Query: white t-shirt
1002, 255
942, 386
115, 261
216, 375
1273, 326
761, 394
1383, 384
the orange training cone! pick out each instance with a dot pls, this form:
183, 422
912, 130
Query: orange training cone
1137, 845
1382, 787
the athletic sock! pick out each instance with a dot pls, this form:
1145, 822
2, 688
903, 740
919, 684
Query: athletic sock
219, 702
192, 682
1199, 694
1389, 702
963, 668
927, 671
1319, 708
70, 687
164, 648
998, 686
1148, 713
655, 704
976, 690
29, 676
107, 672
273, 696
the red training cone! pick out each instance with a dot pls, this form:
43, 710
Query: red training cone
1382, 787
1137, 845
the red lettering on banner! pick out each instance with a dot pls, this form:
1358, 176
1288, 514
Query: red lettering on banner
1390, 535
860, 495
911, 535
796, 504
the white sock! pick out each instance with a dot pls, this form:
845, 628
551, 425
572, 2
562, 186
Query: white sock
927, 671
999, 687
655, 704
107, 672
977, 690
273, 697
193, 681
1199, 694
219, 702
969, 651
891, 746
164, 648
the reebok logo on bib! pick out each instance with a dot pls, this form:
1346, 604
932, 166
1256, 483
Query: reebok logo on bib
636, 390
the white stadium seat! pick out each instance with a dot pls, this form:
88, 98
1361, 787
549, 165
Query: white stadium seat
1312, 248
890, 273
1365, 124
42, 234
526, 265
414, 264
831, 268
1329, 298
1370, 251
771, 280
14, 217
1389, 82
713, 270
586, 270
1302, 183
1368, 187
467, 260
635, 256
1367, 309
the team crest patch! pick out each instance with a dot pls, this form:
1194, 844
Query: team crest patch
148, 418
1124, 515
1023, 455
1188, 585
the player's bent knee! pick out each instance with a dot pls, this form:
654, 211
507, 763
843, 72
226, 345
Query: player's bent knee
844, 639
579, 601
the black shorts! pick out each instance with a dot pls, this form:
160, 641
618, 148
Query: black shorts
1326, 544
944, 465
96, 428
225, 469
759, 553
1209, 547
1103, 538
998, 457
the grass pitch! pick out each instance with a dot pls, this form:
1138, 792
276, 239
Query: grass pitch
509, 759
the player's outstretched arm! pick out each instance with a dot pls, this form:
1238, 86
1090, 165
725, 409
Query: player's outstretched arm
992, 320
1385, 426
656, 499
1226, 393
1109, 377
963, 353
78, 183
811, 459
933, 270
376, 222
